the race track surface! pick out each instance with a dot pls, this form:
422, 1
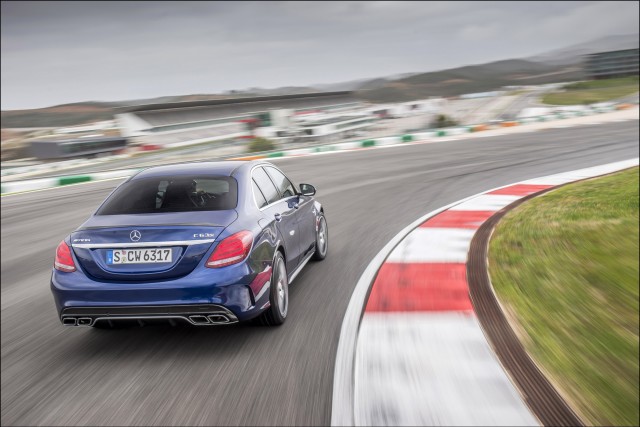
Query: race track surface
246, 375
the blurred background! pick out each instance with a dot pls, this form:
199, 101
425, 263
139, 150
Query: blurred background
99, 79
510, 91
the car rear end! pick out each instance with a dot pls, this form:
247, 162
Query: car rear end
158, 248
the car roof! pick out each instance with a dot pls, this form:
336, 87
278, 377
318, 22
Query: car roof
224, 168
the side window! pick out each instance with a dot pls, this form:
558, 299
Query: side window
264, 183
285, 186
258, 196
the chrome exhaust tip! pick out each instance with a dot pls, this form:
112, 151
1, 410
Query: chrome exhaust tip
84, 321
69, 321
199, 319
219, 319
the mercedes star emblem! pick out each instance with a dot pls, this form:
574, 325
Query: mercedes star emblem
135, 235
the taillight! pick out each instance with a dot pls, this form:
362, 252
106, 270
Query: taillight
64, 260
231, 250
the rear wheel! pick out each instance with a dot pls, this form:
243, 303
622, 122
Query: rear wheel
322, 240
276, 314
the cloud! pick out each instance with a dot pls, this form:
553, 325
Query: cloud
57, 52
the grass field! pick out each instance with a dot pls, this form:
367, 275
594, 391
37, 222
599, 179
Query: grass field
565, 267
593, 91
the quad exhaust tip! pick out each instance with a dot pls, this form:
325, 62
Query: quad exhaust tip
196, 319
211, 319
199, 319
84, 321
69, 321
219, 319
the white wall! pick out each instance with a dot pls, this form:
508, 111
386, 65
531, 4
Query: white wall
281, 118
131, 125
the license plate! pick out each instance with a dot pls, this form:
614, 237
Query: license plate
138, 256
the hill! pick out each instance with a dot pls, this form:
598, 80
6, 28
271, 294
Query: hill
472, 78
573, 54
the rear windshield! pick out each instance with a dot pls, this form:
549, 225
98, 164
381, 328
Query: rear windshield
172, 194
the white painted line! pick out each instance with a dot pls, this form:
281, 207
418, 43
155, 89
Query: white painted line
434, 245
431, 369
565, 177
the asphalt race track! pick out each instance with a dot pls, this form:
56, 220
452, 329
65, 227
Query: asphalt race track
246, 375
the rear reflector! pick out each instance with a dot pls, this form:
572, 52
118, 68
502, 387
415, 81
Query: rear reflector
231, 250
64, 260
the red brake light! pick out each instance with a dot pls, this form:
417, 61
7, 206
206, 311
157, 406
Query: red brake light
231, 250
64, 260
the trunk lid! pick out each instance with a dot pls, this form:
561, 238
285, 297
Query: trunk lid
145, 247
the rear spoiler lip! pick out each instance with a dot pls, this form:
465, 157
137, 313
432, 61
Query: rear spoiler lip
97, 227
141, 244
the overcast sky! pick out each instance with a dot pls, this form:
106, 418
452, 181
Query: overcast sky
60, 52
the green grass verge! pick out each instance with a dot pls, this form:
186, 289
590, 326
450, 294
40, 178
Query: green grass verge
565, 267
593, 91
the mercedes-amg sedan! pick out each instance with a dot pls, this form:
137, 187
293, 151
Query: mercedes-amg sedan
204, 243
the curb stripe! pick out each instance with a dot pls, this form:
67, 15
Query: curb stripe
486, 202
420, 287
521, 189
433, 245
458, 219
418, 345
407, 361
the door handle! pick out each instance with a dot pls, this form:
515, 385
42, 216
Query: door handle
278, 217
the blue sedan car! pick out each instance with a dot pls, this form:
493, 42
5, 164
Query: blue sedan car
204, 243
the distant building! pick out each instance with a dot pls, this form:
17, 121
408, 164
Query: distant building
61, 147
184, 123
406, 109
617, 63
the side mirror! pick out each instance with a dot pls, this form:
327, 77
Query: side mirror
307, 189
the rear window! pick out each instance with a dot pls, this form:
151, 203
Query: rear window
172, 194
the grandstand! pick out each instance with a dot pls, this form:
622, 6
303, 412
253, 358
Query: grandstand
65, 146
184, 123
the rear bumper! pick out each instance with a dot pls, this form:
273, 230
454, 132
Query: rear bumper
234, 291
195, 314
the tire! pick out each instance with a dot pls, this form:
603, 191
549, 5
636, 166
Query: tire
322, 240
276, 314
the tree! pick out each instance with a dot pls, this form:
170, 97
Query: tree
443, 121
261, 144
